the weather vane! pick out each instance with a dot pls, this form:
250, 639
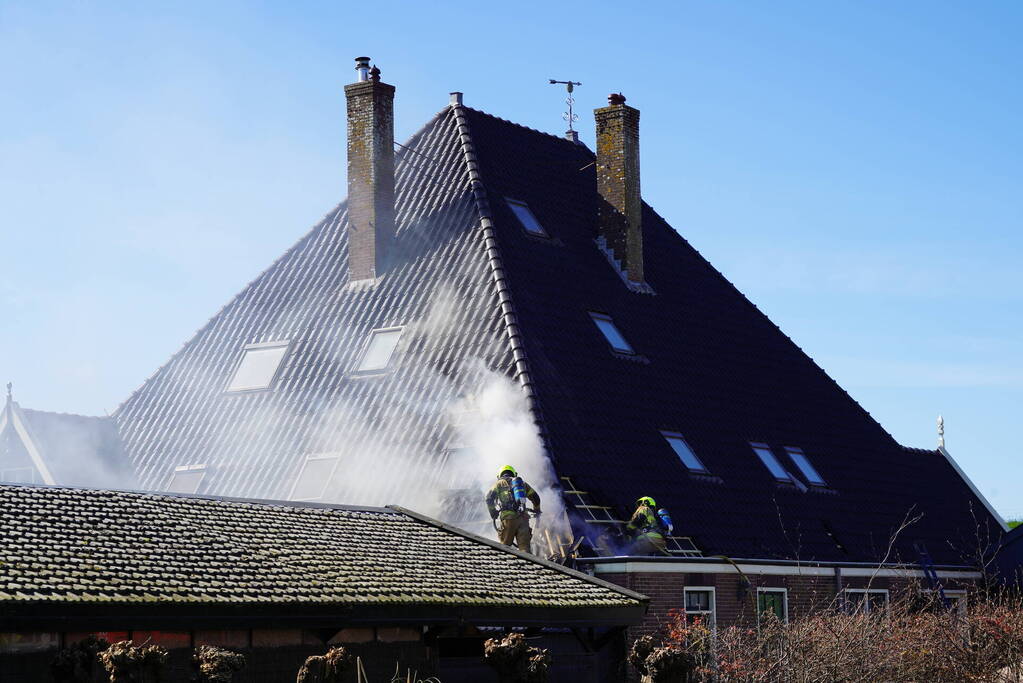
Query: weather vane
568, 115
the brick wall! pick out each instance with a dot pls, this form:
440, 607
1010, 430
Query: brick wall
620, 208
370, 177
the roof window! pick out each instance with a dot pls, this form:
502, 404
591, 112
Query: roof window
808, 470
767, 457
526, 217
611, 333
684, 452
380, 349
259, 366
313, 479
186, 479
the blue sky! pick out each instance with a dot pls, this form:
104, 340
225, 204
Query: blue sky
853, 167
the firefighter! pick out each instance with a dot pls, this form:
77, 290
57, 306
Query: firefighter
647, 529
507, 500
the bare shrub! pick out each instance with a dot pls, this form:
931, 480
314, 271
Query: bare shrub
127, 663
216, 665
911, 641
327, 668
78, 663
515, 660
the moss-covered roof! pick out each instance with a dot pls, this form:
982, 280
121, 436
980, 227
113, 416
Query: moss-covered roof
68, 545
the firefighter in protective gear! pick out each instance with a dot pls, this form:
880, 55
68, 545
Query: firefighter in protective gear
647, 529
504, 506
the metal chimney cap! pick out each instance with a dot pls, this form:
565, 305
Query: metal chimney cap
362, 66
456, 99
616, 98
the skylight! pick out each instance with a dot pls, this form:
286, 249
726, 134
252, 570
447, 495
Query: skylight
186, 479
313, 479
526, 217
380, 349
804, 466
611, 333
258, 367
770, 462
684, 452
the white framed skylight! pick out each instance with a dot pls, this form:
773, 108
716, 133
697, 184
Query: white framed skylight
767, 457
804, 466
312, 481
615, 338
526, 217
259, 366
380, 349
186, 478
684, 452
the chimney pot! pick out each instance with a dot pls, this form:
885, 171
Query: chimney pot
456, 99
362, 67
615, 99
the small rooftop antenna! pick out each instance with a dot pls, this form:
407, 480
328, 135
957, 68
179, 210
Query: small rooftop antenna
569, 115
941, 432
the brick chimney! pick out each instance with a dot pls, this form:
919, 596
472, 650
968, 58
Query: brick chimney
620, 210
370, 172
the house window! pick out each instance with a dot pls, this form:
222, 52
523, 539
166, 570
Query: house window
866, 600
258, 367
684, 452
20, 475
773, 601
611, 333
763, 451
377, 355
808, 470
526, 217
316, 474
699, 602
186, 479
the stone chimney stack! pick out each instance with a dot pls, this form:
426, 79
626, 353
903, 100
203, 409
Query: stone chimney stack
620, 211
370, 172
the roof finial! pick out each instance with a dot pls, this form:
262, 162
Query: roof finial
10, 387
941, 432
569, 115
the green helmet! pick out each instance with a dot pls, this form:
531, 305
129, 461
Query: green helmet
646, 500
507, 468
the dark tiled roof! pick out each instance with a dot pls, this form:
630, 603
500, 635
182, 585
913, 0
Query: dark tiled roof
710, 365
714, 368
64, 545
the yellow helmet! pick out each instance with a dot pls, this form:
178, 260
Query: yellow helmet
646, 500
507, 468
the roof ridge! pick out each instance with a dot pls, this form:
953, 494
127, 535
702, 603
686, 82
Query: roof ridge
536, 559
61, 413
231, 500
519, 125
508, 314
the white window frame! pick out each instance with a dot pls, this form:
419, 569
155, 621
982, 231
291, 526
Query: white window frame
793, 452
200, 467
713, 612
326, 480
866, 600
784, 601
757, 446
540, 230
359, 370
285, 344
668, 436
35, 478
597, 315
961, 595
